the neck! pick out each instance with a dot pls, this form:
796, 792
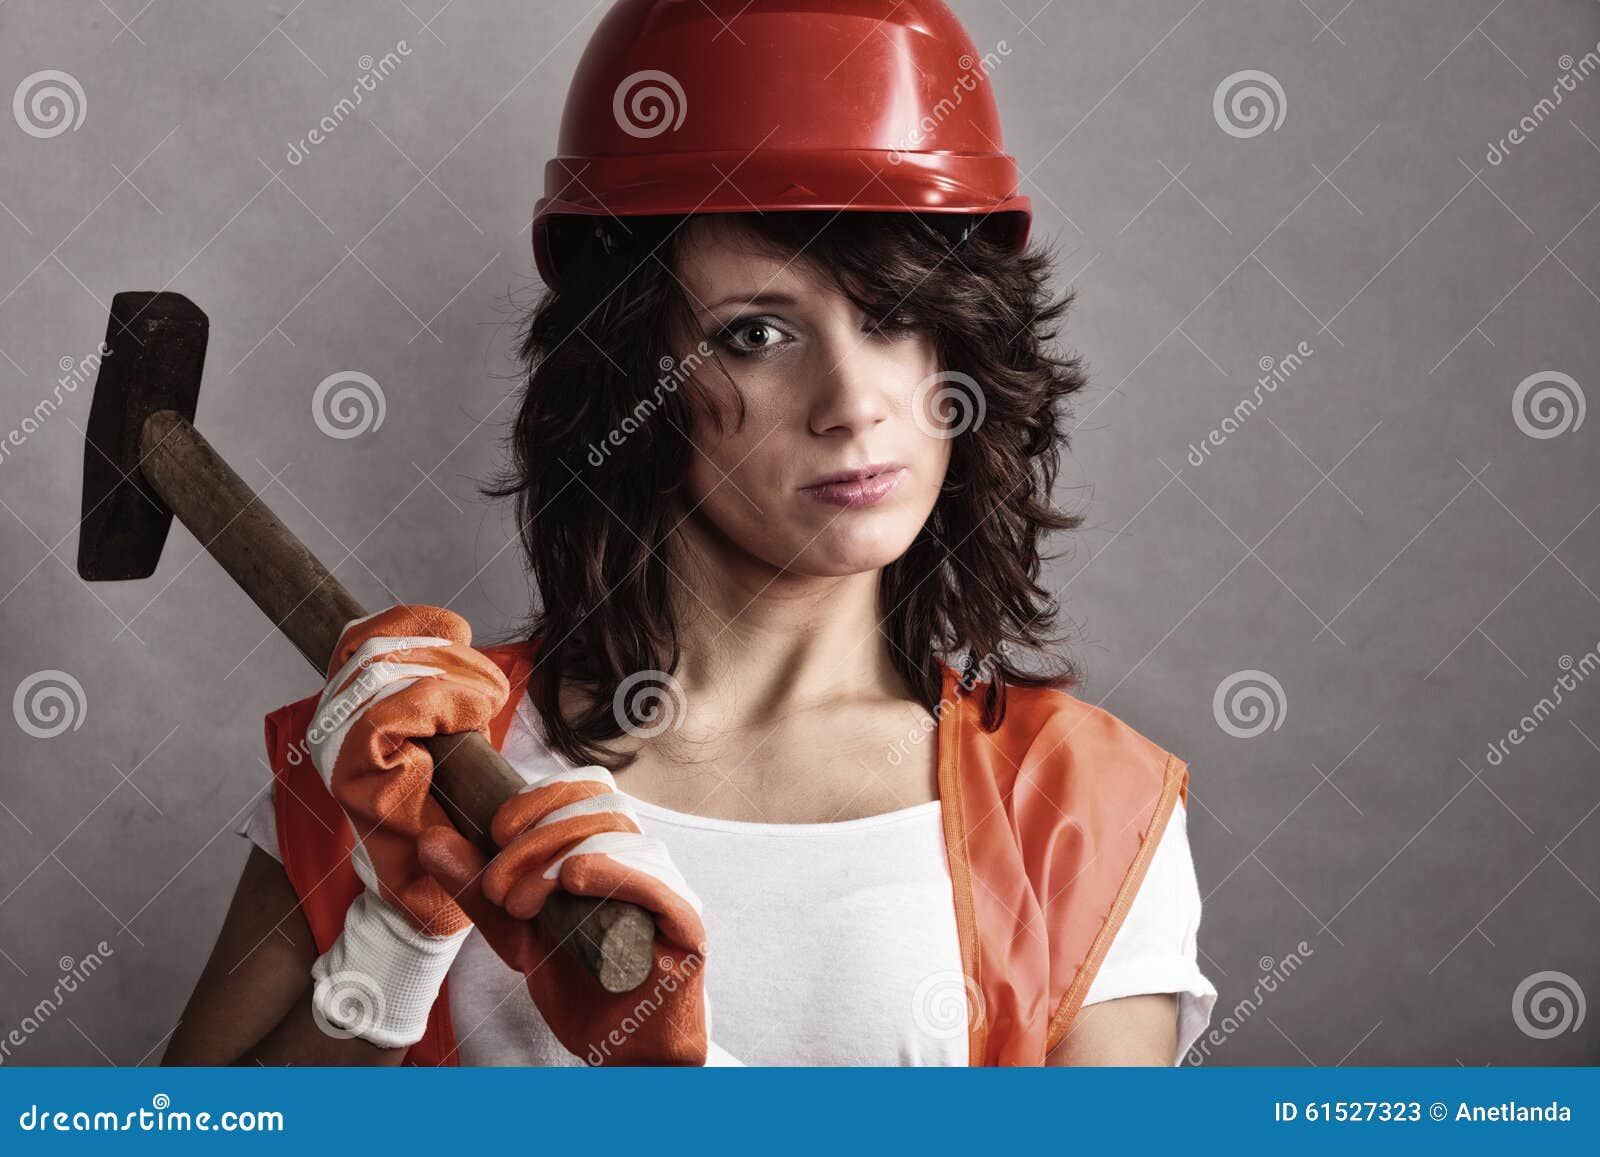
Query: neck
761, 642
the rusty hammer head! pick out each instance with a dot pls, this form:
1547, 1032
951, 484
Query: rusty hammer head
156, 345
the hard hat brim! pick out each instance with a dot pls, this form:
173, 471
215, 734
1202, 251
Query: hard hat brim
790, 179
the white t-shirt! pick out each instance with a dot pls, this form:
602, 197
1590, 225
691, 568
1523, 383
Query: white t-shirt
831, 943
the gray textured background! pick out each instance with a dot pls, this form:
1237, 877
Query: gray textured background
1382, 537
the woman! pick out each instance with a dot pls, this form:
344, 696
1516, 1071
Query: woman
770, 466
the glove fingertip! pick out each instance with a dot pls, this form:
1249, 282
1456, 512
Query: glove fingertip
449, 857
526, 899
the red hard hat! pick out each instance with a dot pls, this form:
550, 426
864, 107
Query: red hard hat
728, 106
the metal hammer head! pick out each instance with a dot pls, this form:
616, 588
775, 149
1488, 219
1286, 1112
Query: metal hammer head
157, 349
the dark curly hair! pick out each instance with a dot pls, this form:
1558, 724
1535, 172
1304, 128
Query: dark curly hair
600, 436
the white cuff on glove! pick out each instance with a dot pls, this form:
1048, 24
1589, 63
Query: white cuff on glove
380, 978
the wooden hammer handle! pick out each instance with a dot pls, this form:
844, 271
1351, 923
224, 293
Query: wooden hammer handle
470, 780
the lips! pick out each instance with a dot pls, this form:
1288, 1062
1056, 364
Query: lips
856, 489
854, 474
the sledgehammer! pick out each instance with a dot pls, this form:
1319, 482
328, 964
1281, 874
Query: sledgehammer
145, 462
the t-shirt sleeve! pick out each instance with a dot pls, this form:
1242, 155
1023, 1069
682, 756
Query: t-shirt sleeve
1156, 949
258, 824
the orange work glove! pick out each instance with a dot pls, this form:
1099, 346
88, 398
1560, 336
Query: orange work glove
572, 830
398, 676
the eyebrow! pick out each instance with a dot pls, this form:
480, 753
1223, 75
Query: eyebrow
751, 299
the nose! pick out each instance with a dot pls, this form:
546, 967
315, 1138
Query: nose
849, 395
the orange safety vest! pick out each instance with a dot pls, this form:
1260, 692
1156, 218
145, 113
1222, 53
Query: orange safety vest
1050, 823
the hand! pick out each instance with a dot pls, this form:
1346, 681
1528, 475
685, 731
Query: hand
401, 675
379, 979
573, 830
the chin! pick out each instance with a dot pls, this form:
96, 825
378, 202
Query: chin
851, 550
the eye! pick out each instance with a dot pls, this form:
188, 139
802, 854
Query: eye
751, 338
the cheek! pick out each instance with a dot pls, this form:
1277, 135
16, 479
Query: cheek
936, 453
928, 427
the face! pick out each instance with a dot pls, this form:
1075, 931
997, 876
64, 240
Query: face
840, 457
